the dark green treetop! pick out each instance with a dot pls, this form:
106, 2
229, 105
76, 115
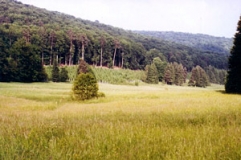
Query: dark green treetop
233, 83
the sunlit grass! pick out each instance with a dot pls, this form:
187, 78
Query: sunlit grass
40, 121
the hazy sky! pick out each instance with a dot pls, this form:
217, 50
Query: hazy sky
213, 17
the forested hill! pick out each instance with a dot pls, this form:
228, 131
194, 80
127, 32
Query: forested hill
63, 37
203, 42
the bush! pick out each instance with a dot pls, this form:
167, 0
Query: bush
55, 72
101, 94
85, 87
63, 76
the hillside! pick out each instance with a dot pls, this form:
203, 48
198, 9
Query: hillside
65, 38
203, 42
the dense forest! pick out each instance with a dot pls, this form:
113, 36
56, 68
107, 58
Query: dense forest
66, 39
202, 42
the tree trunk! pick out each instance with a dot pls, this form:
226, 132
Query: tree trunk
65, 60
42, 57
70, 54
57, 58
79, 50
122, 60
114, 57
83, 50
51, 54
101, 54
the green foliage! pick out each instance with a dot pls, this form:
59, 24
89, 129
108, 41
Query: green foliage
203, 42
63, 76
3, 63
55, 72
100, 94
118, 76
175, 74
54, 33
193, 49
233, 84
216, 75
169, 74
198, 78
85, 84
105, 75
152, 74
160, 66
25, 64
85, 87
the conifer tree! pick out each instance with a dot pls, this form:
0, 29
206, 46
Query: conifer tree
169, 74
233, 84
63, 75
198, 78
179, 75
152, 74
55, 72
160, 66
85, 85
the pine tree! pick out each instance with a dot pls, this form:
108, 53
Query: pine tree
63, 75
152, 74
85, 85
160, 66
198, 78
55, 72
233, 84
169, 74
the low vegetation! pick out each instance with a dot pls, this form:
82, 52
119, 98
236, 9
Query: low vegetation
106, 75
40, 121
85, 85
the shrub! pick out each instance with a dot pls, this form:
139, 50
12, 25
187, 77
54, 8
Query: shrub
101, 94
63, 76
55, 72
85, 87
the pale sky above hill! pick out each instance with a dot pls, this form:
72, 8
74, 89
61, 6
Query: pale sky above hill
213, 17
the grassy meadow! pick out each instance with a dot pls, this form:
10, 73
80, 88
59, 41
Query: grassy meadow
40, 121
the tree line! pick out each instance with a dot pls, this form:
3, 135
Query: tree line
54, 36
177, 74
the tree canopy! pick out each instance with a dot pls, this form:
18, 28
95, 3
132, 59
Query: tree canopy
56, 36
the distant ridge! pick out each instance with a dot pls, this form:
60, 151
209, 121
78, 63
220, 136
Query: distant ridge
203, 42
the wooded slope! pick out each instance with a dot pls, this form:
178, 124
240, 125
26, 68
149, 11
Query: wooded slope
66, 38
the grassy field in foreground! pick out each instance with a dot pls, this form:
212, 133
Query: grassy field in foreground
39, 121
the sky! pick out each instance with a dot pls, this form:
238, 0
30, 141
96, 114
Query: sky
213, 17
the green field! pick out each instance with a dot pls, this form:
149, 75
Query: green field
40, 121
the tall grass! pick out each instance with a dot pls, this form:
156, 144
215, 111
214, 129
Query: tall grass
39, 121
105, 75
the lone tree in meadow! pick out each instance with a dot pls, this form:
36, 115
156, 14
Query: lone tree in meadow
233, 83
85, 84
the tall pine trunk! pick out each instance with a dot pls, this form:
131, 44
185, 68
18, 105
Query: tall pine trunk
113, 62
101, 54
